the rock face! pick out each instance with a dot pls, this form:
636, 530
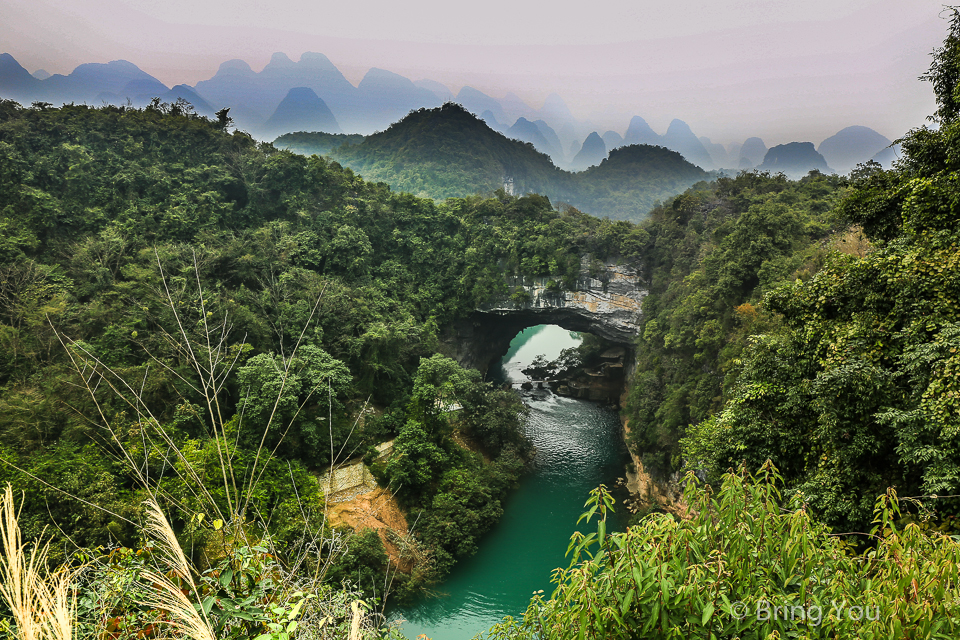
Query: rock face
607, 304
603, 382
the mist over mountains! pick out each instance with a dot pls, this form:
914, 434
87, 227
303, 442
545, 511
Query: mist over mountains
312, 94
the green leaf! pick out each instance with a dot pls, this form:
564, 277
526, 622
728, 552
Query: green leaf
207, 604
707, 612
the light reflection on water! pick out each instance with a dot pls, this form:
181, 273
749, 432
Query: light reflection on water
578, 447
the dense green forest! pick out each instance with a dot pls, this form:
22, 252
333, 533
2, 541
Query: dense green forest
712, 252
813, 324
448, 152
190, 316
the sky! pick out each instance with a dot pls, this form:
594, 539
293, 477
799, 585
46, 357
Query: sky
779, 69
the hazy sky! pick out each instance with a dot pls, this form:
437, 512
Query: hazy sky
781, 69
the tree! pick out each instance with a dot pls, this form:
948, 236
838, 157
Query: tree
224, 121
287, 405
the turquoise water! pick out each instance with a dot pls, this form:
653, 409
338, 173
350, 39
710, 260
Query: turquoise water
578, 447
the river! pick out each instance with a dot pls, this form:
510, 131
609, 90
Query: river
578, 447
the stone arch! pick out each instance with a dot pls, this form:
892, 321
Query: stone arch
606, 302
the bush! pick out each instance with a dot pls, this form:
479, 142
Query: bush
748, 564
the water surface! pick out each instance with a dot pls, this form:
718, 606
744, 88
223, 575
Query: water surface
578, 447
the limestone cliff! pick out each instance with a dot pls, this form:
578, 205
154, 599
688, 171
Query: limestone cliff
607, 301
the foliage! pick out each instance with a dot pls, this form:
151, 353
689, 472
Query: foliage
174, 298
748, 564
246, 594
364, 564
456, 495
631, 181
711, 253
315, 142
273, 393
448, 152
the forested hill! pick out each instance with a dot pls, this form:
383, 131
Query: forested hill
127, 234
448, 152
631, 181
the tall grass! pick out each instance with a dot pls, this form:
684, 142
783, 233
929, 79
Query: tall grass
41, 601
166, 595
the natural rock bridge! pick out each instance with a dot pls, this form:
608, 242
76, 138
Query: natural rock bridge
607, 305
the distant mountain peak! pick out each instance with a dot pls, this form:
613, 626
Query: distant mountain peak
542, 137
593, 152
301, 110
280, 59
680, 138
124, 65
612, 139
555, 109
718, 153
851, 146
439, 89
314, 59
639, 132
235, 67
515, 99
794, 159
8, 61
752, 153
376, 74
476, 101
491, 120
13, 75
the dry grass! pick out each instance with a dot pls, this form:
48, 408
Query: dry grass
165, 594
42, 602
